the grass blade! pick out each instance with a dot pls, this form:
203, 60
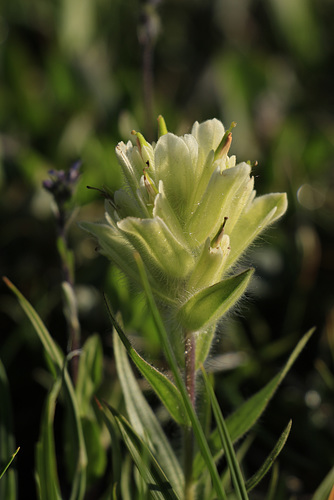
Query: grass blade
243, 419
46, 466
232, 462
325, 490
150, 471
8, 488
273, 483
144, 421
164, 388
49, 344
57, 358
7, 465
266, 466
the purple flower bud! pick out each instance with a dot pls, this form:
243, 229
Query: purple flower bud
62, 184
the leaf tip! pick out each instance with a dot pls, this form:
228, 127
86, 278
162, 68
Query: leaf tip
7, 281
99, 405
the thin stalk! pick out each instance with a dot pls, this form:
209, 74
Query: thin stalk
189, 356
61, 186
188, 434
70, 302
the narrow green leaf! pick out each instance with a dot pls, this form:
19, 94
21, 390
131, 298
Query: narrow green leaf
117, 460
170, 356
326, 487
8, 488
7, 465
46, 466
89, 378
249, 412
149, 469
267, 464
272, 488
240, 454
56, 357
208, 305
144, 421
232, 462
164, 388
127, 480
49, 344
90, 373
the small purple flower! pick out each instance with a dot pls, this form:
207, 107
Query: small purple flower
62, 184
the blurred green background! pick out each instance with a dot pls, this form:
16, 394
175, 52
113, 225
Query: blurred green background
74, 81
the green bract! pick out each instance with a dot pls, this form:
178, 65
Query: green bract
190, 212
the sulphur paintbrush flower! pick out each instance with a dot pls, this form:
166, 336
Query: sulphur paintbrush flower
190, 211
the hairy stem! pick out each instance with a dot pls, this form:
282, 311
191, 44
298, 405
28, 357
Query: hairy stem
188, 435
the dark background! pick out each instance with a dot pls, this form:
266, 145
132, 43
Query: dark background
73, 83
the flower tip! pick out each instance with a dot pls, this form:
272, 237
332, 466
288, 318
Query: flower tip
141, 141
252, 163
225, 143
162, 128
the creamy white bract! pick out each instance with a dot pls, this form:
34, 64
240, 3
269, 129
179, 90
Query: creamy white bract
190, 212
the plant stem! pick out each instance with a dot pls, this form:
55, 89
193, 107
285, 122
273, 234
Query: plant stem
189, 355
188, 436
69, 299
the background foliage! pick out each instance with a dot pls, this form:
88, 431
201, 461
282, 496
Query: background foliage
72, 85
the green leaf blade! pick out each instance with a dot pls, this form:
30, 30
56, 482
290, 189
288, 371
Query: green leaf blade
8, 487
247, 414
326, 488
46, 466
57, 359
208, 305
160, 488
243, 419
164, 388
232, 462
144, 421
268, 463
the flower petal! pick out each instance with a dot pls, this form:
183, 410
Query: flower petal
174, 165
241, 199
208, 135
216, 201
114, 246
262, 212
163, 210
125, 154
161, 252
127, 205
210, 264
